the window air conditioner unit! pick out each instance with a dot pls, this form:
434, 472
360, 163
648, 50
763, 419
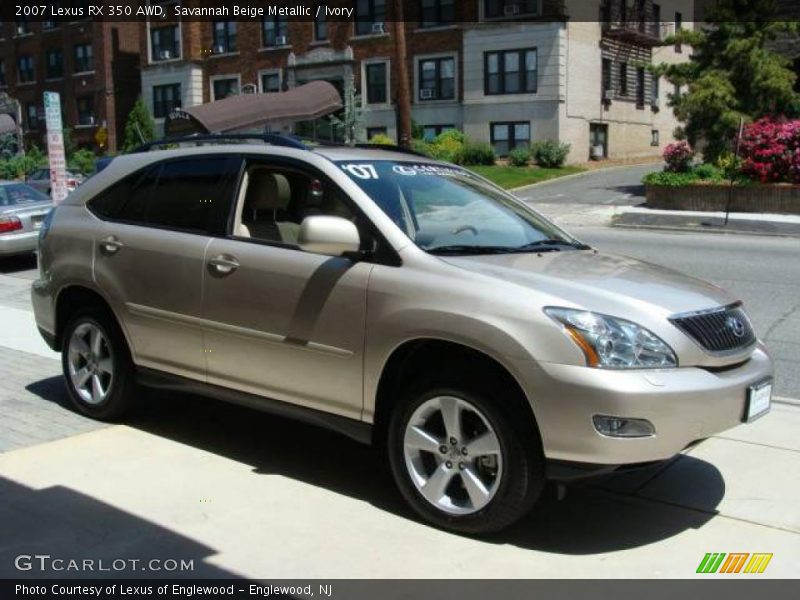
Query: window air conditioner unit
608, 95
21, 30
90, 120
165, 55
219, 49
426, 94
511, 10
281, 40
378, 28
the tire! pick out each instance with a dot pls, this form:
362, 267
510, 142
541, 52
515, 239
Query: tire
108, 364
513, 476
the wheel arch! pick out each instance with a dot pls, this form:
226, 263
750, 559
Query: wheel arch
74, 296
431, 354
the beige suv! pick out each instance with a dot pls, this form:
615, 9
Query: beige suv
398, 300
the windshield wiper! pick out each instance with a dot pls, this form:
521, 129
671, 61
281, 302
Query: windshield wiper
465, 249
550, 245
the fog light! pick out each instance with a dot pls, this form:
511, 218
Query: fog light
623, 428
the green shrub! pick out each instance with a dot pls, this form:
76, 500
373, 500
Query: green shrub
421, 146
381, 139
478, 153
19, 167
82, 161
671, 178
550, 154
448, 146
709, 172
519, 157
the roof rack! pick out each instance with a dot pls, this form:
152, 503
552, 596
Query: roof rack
274, 139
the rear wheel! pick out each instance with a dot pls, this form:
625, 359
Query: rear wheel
460, 462
97, 366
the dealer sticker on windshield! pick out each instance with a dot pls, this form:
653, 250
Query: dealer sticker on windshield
759, 397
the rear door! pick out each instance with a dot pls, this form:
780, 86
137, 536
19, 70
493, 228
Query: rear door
149, 255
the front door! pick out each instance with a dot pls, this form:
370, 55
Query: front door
280, 322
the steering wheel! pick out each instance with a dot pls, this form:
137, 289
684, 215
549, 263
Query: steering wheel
463, 228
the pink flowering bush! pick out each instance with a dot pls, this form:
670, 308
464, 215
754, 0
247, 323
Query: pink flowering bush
770, 150
678, 156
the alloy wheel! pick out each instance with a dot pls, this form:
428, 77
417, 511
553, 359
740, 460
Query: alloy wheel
453, 455
91, 363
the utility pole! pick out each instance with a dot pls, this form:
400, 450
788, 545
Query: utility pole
403, 92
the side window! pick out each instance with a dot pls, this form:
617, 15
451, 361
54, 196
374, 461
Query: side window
189, 195
109, 204
274, 201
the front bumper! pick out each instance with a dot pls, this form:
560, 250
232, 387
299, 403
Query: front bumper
684, 404
18, 243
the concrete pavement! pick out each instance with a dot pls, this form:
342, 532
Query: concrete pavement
246, 494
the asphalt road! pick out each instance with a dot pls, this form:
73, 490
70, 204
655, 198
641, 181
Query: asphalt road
610, 187
764, 272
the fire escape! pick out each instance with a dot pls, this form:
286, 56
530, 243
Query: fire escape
630, 23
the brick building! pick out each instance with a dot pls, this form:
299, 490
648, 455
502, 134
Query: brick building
93, 65
505, 71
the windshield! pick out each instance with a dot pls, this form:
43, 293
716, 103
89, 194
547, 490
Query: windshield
446, 209
16, 194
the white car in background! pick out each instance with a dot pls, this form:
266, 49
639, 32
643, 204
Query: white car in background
40, 179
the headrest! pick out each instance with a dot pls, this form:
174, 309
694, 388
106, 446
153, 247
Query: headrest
267, 191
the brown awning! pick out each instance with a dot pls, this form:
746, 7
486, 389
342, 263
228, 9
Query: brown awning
252, 111
7, 124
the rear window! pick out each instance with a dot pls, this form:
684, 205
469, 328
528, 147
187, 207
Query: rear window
189, 195
19, 194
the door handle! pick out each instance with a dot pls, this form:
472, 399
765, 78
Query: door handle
223, 265
110, 245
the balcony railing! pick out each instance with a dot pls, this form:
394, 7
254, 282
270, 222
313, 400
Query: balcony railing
631, 24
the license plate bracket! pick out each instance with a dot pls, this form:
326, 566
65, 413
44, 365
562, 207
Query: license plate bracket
759, 401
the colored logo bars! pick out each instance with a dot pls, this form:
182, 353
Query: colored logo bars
720, 562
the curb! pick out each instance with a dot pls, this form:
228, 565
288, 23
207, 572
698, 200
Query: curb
786, 401
577, 175
712, 230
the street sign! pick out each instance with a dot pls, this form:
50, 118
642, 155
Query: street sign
101, 137
55, 146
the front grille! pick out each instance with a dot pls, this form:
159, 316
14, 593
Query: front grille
720, 330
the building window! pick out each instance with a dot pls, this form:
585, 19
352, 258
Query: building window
270, 82
676, 91
275, 32
22, 27
511, 72
3, 73
320, 25
370, 16
54, 67
430, 132
494, 9
26, 71
224, 37
607, 66
32, 115
436, 13
164, 43
224, 87
640, 88
656, 90
166, 98
657, 20
373, 131
83, 58
655, 138
377, 75
85, 110
507, 136
623, 79
678, 29
437, 79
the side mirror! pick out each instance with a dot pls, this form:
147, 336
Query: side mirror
332, 236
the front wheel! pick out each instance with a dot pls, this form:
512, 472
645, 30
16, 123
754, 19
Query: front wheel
97, 366
459, 461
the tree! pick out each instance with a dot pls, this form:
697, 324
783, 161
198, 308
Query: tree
733, 73
403, 87
139, 128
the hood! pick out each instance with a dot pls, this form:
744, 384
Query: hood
600, 282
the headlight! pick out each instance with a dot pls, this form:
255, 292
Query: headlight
612, 343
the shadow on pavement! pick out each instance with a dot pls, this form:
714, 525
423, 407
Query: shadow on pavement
589, 520
64, 524
12, 264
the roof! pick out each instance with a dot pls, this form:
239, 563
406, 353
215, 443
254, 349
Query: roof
251, 111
